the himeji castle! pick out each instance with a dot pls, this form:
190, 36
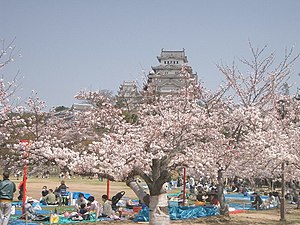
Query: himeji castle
165, 78
168, 77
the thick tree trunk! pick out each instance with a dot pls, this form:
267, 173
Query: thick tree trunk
157, 201
159, 213
139, 191
158, 210
223, 206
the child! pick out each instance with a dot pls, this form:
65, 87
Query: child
83, 212
82, 209
107, 209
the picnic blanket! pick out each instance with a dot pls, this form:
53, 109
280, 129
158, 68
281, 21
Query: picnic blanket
181, 212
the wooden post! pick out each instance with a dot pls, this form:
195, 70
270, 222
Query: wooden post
108, 188
282, 205
184, 186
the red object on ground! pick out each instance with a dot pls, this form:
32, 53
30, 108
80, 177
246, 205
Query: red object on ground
238, 211
137, 209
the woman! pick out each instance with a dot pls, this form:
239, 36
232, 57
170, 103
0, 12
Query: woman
107, 209
94, 206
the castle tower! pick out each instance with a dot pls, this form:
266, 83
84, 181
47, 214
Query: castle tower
128, 96
168, 77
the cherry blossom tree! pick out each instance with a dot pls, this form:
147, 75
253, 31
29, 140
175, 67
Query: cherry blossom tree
19, 120
167, 134
257, 91
279, 143
7, 88
8, 100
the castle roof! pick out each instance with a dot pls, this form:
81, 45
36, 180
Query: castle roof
178, 54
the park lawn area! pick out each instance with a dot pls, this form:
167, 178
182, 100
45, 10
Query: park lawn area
98, 188
92, 186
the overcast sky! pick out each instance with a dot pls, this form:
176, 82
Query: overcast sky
69, 45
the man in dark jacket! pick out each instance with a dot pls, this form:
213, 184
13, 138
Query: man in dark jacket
7, 189
257, 203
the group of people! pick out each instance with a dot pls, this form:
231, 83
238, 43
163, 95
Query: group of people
272, 201
207, 198
55, 197
48, 197
85, 206
82, 205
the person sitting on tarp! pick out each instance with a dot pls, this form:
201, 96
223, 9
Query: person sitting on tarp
80, 200
277, 198
244, 190
50, 198
201, 197
44, 194
29, 209
213, 199
270, 202
257, 203
83, 212
94, 206
62, 188
44, 191
107, 209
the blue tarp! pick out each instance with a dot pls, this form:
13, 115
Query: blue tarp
181, 212
19, 203
76, 195
242, 197
246, 206
19, 212
237, 197
246, 199
192, 212
20, 222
